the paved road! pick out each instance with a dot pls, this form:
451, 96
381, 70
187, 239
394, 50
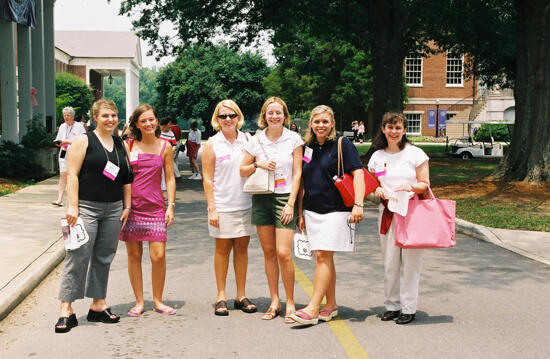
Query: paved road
477, 301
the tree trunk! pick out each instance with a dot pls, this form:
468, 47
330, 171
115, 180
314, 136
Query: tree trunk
528, 158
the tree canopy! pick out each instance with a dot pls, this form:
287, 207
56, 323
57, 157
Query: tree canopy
71, 90
203, 75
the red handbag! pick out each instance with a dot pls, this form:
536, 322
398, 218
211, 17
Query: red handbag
344, 183
429, 223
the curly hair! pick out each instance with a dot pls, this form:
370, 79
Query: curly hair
391, 117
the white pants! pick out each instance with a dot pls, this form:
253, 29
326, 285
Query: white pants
401, 273
177, 173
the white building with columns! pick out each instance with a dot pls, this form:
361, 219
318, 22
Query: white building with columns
26, 61
98, 55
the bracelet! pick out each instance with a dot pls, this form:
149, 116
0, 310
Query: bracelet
358, 204
128, 208
171, 204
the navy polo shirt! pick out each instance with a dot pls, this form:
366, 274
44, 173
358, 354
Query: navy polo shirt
321, 195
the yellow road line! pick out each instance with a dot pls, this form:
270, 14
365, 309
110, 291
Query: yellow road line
345, 336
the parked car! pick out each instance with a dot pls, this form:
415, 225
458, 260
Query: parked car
465, 148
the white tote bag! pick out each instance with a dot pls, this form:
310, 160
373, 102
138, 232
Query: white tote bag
261, 181
301, 246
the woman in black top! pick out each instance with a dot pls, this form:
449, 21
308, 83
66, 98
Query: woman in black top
99, 192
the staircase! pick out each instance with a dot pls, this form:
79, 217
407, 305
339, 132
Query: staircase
457, 130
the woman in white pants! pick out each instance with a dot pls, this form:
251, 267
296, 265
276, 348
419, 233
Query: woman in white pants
399, 166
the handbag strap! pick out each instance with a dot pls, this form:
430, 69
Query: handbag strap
263, 149
340, 156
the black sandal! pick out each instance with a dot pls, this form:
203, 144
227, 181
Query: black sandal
243, 305
69, 323
103, 316
222, 304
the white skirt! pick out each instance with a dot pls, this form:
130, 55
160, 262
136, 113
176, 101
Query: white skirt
233, 224
330, 231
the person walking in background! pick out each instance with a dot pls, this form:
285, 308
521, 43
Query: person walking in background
323, 215
168, 135
99, 192
177, 134
67, 132
149, 217
354, 128
400, 166
274, 213
229, 208
294, 128
193, 144
361, 131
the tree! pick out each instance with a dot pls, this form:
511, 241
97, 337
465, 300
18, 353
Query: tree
117, 93
202, 75
147, 89
312, 72
71, 90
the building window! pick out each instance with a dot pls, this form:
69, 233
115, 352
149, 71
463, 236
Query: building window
455, 68
413, 71
414, 123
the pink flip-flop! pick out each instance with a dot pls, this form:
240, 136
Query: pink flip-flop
166, 310
135, 312
304, 318
327, 314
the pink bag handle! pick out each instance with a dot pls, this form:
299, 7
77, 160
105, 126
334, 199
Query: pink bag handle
429, 191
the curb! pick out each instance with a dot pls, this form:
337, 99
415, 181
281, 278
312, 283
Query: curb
30, 277
485, 234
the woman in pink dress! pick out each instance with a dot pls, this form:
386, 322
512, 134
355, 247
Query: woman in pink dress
149, 217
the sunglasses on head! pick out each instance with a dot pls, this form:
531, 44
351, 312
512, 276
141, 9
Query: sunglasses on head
231, 116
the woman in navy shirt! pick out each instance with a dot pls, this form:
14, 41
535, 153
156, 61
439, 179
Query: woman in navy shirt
328, 222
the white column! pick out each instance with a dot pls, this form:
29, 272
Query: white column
10, 130
49, 63
24, 74
38, 75
132, 91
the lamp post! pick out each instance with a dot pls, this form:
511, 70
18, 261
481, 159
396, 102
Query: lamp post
436, 117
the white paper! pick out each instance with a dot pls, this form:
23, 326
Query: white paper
398, 202
78, 236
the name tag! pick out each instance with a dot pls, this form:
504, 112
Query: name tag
223, 158
111, 170
379, 169
308, 153
133, 156
280, 180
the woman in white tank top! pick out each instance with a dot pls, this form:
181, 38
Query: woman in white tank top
229, 208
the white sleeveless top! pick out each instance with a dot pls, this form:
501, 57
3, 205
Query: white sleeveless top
228, 183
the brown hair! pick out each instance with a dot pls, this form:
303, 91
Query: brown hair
262, 122
390, 117
136, 132
108, 104
310, 135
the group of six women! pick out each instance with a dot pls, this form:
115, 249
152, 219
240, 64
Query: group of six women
115, 188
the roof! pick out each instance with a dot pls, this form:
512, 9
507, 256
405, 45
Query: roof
98, 44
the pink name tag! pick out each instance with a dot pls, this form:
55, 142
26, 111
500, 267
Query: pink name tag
381, 173
111, 170
223, 158
280, 183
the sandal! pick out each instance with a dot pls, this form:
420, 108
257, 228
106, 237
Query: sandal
327, 314
69, 323
288, 317
58, 204
304, 318
166, 310
135, 312
271, 313
105, 316
219, 308
244, 305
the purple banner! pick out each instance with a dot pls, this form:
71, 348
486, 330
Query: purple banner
431, 118
442, 120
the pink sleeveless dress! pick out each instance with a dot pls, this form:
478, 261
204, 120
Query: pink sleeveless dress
146, 219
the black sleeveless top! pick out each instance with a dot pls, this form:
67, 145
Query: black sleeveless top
93, 185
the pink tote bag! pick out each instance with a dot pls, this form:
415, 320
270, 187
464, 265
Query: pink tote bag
429, 223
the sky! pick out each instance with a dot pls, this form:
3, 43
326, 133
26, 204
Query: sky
98, 15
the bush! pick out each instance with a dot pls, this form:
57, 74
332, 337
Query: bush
71, 90
499, 133
17, 162
37, 135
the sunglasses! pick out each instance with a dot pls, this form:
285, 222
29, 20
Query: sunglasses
232, 116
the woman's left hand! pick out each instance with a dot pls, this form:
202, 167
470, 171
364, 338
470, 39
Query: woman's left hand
404, 187
356, 214
124, 217
169, 216
287, 214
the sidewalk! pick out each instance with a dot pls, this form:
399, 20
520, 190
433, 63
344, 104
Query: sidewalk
30, 237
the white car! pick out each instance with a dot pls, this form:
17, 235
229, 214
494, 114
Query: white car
465, 148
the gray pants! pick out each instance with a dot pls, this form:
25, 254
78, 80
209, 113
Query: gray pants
102, 222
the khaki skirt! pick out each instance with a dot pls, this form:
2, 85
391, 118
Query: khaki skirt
233, 224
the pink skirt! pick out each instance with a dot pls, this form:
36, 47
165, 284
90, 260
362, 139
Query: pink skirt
144, 229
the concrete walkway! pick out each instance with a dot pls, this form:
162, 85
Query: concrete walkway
30, 238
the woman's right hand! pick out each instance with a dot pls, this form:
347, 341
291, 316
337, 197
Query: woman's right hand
213, 218
381, 193
72, 215
267, 165
301, 223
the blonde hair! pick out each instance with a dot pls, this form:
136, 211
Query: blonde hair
108, 104
262, 122
229, 104
310, 135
